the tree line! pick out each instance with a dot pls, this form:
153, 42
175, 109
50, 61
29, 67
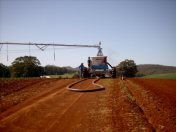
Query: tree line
29, 66
55, 70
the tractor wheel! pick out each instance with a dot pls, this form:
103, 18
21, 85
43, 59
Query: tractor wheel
85, 72
103, 76
113, 72
89, 74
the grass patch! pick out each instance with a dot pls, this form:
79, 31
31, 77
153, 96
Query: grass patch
62, 76
127, 91
162, 76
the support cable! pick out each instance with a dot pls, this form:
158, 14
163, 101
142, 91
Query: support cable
38, 47
54, 52
42, 48
7, 52
29, 50
1, 47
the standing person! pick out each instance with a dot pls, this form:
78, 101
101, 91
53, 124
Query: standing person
81, 67
89, 62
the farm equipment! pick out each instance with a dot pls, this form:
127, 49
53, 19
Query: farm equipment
98, 66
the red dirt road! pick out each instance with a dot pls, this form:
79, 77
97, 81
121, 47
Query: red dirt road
129, 105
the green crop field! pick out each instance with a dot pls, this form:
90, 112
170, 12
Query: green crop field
162, 76
62, 76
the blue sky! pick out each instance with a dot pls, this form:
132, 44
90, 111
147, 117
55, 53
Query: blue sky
139, 30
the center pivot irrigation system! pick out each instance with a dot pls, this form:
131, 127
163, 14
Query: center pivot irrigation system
98, 65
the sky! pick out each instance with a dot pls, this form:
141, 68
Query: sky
139, 30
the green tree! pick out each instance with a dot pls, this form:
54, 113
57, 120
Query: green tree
53, 70
27, 66
128, 67
4, 71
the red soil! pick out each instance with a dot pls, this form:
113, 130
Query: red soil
157, 98
130, 105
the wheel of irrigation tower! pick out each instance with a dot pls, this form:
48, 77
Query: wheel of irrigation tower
85, 72
113, 72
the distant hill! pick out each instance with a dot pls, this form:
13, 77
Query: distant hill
150, 69
70, 68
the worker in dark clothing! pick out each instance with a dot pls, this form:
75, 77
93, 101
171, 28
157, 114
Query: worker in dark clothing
89, 62
81, 67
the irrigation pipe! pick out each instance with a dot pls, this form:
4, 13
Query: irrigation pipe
85, 90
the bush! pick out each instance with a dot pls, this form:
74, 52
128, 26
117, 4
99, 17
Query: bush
76, 76
4, 71
128, 67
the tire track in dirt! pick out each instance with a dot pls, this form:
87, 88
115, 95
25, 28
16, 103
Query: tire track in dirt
14, 112
42, 90
115, 110
20, 95
74, 117
49, 111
